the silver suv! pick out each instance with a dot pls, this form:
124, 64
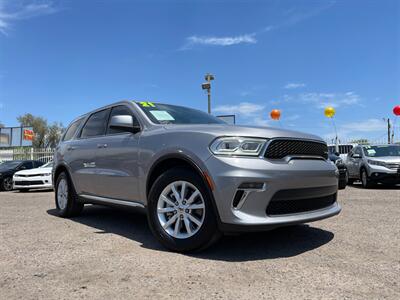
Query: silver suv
373, 164
196, 176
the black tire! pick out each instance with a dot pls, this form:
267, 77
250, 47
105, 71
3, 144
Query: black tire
7, 184
72, 207
342, 184
365, 180
350, 181
207, 233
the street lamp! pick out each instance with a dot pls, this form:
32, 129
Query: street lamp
207, 86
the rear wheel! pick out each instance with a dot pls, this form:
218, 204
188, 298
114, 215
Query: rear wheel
7, 184
66, 198
180, 211
365, 180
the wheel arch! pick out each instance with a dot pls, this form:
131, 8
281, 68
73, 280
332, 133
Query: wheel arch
59, 169
169, 161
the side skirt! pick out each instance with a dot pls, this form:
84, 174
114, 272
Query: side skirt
90, 199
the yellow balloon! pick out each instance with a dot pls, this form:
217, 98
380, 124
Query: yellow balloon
329, 112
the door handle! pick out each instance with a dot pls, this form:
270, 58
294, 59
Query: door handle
70, 148
102, 145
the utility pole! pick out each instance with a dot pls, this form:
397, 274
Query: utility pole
207, 86
388, 128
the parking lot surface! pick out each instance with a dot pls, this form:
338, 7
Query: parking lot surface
109, 253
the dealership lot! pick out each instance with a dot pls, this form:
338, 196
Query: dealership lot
109, 252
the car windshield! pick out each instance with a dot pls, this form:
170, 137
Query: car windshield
48, 165
172, 114
9, 165
384, 150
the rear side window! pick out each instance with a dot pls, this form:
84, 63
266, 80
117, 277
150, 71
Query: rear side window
27, 165
96, 124
120, 110
69, 134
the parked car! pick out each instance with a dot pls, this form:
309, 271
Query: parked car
195, 175
336, 159
38, 178
8, 168
374, 164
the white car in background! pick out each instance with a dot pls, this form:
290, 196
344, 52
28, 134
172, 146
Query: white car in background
39, 178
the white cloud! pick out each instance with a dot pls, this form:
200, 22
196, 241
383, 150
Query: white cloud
260, 121
219, 41
294, 85
365, 126
244, 108
321, 100
12, 11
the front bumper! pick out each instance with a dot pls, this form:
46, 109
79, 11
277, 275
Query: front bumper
228, 173
35, 182
383, 174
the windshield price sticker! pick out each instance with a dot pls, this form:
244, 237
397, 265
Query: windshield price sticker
162, 115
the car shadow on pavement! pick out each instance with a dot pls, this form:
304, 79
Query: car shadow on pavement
282, 242
358, 185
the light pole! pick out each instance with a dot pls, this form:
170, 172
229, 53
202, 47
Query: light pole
207, 86
388, 128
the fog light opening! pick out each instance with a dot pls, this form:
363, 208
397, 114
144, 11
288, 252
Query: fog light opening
243, 192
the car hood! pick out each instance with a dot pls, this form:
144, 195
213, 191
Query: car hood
239, 130
34, 171
386, 159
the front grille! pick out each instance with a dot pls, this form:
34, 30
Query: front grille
292, 206
29, 175
35, 182
281, 148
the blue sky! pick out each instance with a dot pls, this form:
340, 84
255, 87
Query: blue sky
60, 59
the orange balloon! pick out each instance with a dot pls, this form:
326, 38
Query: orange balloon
275, 114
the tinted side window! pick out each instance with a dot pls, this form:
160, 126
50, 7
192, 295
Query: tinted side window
38, 164
358, 150
27, 165
71, 130
120, 110
96, 124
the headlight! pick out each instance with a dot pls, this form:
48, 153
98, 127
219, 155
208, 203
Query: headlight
237, 146
377, 163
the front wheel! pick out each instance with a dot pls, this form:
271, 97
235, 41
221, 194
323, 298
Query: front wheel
180, 211
349, 180
365, 180
7, 184
65, 196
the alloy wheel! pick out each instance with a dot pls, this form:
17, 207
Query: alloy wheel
181, 209
62, 194
8, 184
364, 178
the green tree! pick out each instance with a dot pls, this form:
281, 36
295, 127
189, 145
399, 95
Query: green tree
45, 135
54, 134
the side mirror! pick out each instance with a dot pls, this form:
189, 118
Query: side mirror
356, 155
124, 123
